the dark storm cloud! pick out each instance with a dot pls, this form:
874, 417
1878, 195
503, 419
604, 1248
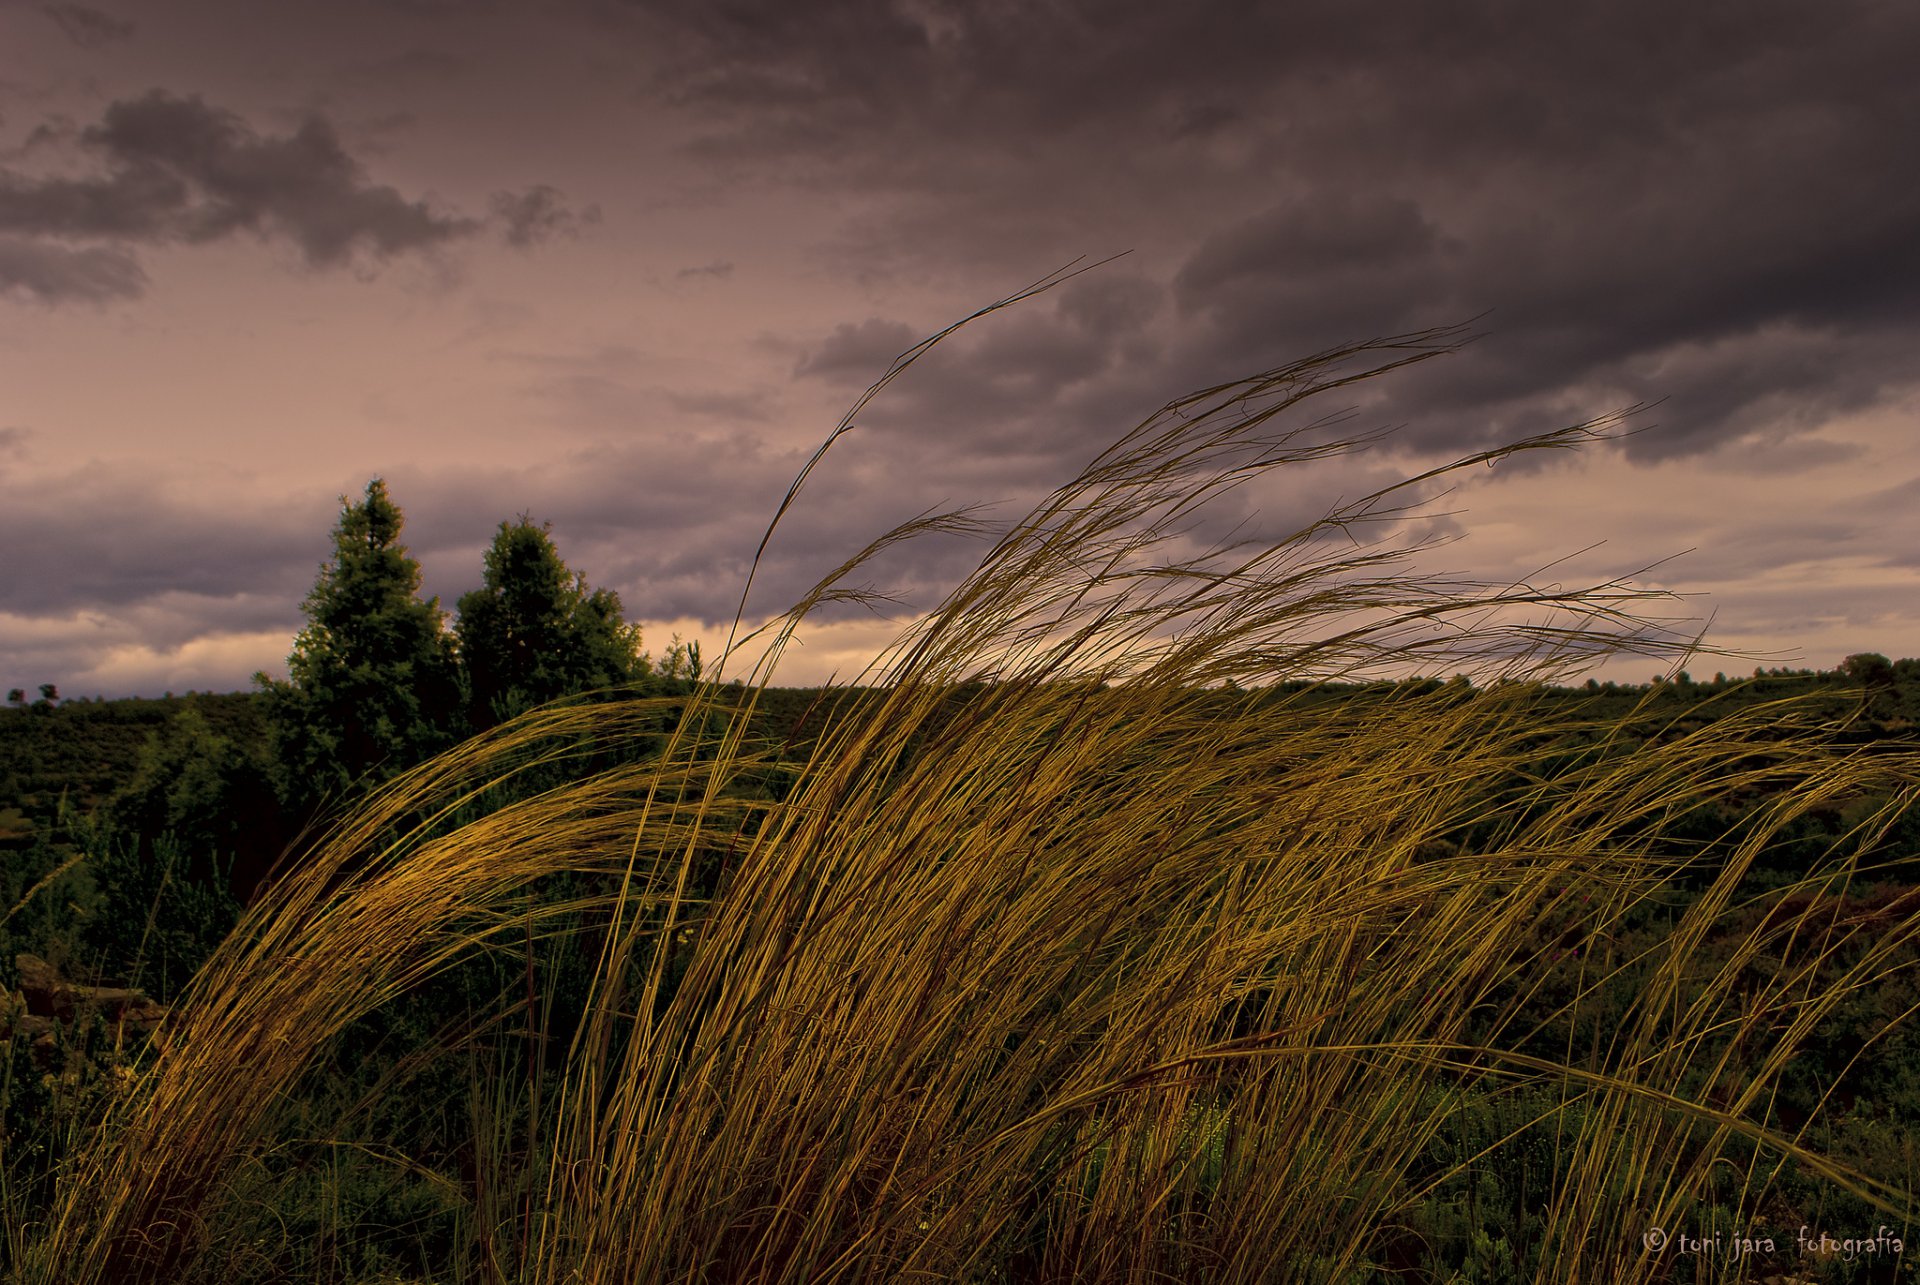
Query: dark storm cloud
1338, 234
413, 64
673, 489
64, 558
86, 27
1111, 303
1776, 375
671, 516
859, 353
538, 214
1008, 407
204, 174
1048, 382
438, 8
177, 169
1613, 187
1314, 271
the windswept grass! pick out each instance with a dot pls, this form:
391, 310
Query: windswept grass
1130, 966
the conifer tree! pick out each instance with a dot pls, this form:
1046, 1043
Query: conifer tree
533, 632
371, 684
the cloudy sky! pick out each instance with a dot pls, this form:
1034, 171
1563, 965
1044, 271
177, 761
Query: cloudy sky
622, 264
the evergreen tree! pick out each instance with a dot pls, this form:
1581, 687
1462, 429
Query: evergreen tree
533, 632
371, 685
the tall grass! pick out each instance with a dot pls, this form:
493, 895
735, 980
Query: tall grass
1131, 965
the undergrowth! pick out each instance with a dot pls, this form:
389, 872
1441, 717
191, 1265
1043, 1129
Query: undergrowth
1134, 965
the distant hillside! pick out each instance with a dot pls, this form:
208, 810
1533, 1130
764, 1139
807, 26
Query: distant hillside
84, 750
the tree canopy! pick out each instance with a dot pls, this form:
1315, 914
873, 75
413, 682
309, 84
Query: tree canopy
534, 632
371, 685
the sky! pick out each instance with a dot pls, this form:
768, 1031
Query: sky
622, 265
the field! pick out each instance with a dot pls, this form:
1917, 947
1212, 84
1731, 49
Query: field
1136, 918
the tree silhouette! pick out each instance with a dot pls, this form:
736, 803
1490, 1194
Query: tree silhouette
533, 631
1875, 674
371, 685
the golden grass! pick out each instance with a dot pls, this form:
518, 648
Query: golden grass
1130, 971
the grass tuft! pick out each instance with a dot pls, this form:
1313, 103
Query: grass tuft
1090, 941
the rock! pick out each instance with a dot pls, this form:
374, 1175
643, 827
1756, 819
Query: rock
42, 987
46, 994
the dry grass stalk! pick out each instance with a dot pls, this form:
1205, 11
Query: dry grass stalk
1120, 974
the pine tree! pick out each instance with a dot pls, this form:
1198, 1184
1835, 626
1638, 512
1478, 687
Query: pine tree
533, 632
371, 686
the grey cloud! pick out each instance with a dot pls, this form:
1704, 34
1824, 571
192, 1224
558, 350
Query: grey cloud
1111, 304
439, 8
304, 185
415, 63
1746, 551
184, 643
179, 170
1040, 387
1011, 405
719, 269
682, 550
858, 352
133, 203
1901, 497
168, 622
670, 551
117, 583
1316, 271
1777, 377
56, 131
1806, 610
87, 27
88, 541
1031, 352
1607, 200
1333, 233
54, 274
538, 214
100, 561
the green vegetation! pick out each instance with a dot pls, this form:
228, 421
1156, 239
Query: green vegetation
372, 684
1122, 924
533, 633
